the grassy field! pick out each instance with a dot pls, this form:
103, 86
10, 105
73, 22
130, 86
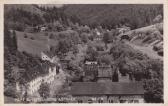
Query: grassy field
34, 46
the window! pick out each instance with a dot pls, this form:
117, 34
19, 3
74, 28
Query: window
100, 101
90, 101
122, 101
136, 101
130, 101
80, 101
110, 101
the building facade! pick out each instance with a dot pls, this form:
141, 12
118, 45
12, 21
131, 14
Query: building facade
91, 68
104, 73
93, 92
34, 85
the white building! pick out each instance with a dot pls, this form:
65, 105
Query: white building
34, 85
43, 29
90, 62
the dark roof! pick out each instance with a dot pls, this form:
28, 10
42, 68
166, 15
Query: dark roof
113, 88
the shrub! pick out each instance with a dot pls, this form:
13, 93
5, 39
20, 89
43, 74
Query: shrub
31, 38
51, 36
25, 36
99, 48
10, 91
44, 90
84, 37
160, 53
155, 48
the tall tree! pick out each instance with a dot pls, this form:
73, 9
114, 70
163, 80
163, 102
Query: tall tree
14, 40
106, 39
44, 90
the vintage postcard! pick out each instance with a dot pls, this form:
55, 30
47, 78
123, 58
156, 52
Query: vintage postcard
83, 52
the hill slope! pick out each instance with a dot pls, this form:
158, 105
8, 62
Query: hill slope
110, 15
25, 7
19, 16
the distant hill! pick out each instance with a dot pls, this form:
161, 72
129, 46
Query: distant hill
19, 16
25, 7
110, 15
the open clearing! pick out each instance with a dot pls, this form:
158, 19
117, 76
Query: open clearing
36, 45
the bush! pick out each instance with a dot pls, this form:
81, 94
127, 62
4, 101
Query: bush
25, 36
155, 48
51, 36
84, 37
10, 91
31, 38
99, 48
160, 53
106, 59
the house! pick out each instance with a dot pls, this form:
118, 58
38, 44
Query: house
48, 56
44, 28
33, 85
104, 73
123, 29
44, 56
111, 92
91, 62
91, 68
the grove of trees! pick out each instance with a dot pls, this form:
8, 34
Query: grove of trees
44, 90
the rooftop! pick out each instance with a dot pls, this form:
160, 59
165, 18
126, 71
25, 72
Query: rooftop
110, 88
49, 53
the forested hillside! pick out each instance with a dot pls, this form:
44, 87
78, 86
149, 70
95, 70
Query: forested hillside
112, 15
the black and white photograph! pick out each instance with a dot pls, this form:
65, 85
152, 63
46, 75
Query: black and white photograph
83, 53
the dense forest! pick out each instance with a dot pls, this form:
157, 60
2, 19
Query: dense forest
108, 16
111, 15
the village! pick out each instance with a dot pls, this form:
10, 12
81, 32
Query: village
111, 85
75, 63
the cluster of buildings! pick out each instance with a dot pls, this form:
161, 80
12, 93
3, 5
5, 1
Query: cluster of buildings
32, 86
36, 29
105, 88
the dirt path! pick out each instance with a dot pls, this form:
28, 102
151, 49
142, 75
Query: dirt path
146, 50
